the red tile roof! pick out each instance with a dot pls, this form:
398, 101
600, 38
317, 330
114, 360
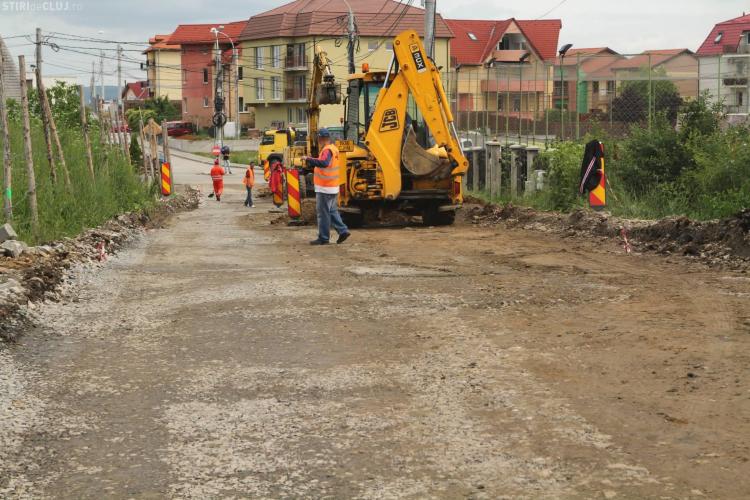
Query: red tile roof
161, 42
191, 34
323, 17
139, 89
542, 35
731, 31
654, 57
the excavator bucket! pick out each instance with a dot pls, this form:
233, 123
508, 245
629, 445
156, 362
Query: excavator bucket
328, 92
420, 162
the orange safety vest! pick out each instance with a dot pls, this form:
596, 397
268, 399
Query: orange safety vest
217, 173
249, 179
328, 177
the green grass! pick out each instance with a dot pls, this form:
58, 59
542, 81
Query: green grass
63, 211
241, 157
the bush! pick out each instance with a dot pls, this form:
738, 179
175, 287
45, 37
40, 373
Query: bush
564, 169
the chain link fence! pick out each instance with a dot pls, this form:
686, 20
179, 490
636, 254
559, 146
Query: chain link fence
539, 103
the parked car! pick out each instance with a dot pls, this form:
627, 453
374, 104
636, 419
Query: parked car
176, 129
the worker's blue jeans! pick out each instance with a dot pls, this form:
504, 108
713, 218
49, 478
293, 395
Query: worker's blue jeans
328, 215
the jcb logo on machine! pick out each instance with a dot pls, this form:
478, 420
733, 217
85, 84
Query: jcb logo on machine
390, 120
419, 61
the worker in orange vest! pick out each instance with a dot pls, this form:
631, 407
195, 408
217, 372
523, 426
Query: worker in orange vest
217, 176
249, 182
326, 180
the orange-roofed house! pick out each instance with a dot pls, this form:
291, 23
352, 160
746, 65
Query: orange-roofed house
278, 47
489, 73
588, 80
679, 66
163, 68
198, 71
724, 59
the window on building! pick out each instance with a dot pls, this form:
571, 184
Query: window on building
740, 99
205, 101
240, 73
205, 76
184, 106
259, 57
472, 36
512, 41
259, 89
276, 56
289, 117
719, 37
373, 45
516, 102
241, 104
301, 115
276, 88
595, 88
611, 87
184, 76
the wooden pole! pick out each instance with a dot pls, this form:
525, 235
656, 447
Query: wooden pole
85, 129
118, 128
42, 95
28, 152
7, 171
155, 167
126, 137
144, 157
46, 109
165, 141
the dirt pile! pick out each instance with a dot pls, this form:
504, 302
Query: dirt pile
37, 274
309, 215
722, 243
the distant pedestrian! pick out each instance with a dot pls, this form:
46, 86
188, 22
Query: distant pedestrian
249, 182
225, 155
217, 176
326, 178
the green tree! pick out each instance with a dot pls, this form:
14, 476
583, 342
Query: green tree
163, 109
631, 106
134, 117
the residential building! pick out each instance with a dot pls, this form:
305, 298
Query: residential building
164, 68
503, 66
278, 48
9, 74
135, 91
679, 66
724, 60
198, 68
588, 79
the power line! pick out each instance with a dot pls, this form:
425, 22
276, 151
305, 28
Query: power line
563, 2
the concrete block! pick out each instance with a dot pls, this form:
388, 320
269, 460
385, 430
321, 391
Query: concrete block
7, 233
13, 248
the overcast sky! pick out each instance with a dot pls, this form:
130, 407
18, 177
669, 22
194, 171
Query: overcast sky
627, 26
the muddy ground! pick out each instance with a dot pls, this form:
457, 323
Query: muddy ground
223, 357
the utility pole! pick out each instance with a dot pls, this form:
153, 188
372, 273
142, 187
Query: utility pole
351, 29
101, 75
119, 75
235, 57
429, 27
42, 99
7, 172
218, 93
92, 85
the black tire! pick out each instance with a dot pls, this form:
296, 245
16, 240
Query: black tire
431, 217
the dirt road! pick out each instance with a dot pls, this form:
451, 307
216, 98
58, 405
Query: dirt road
222, 357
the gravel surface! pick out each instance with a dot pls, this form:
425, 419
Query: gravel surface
223, 357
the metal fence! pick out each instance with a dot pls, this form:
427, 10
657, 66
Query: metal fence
537, 103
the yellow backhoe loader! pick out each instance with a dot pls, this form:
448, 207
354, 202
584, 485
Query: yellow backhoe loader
401, 150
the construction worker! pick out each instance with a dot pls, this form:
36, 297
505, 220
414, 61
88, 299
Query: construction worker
249, 182
225, 154
326, 180
217, 176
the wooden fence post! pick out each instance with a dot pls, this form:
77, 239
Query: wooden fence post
85, 129
28, 152
7, 170
42, 100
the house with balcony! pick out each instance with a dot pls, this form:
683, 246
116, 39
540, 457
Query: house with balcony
724, 62
278, 48
198, 70
680, 66
587, 78
163, 68
503, 66
9, 74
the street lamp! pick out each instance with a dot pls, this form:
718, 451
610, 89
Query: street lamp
489, 64
521, 61
563, 50
216, 32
